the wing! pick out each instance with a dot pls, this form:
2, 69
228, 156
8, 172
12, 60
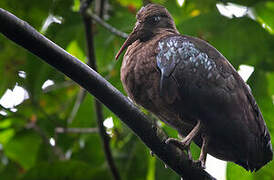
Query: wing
196, 68
207, 86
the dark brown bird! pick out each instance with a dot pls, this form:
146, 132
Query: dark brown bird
191, 86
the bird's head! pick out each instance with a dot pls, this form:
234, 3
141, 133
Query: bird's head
150, 20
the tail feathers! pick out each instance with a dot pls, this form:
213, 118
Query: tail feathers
260, 153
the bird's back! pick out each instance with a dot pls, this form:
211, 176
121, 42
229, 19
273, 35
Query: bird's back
211, 90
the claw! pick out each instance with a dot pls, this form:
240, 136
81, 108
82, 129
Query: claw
180, 144
201, 163
184, 145
203, 153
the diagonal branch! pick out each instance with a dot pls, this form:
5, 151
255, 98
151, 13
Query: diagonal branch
56, 150
79, 99
107, 26
26, 36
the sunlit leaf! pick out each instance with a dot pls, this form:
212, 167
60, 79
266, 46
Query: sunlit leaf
264, 15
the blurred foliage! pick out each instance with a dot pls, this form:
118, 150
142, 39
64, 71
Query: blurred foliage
25, 152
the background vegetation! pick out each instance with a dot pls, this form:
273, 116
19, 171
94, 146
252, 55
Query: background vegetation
32, 142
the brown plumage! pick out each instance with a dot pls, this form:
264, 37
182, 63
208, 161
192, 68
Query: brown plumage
189, 85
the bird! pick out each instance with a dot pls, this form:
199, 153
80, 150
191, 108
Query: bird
192, 87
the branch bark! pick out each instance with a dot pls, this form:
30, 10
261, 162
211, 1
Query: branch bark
26, 36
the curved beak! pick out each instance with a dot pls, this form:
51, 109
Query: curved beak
131, 39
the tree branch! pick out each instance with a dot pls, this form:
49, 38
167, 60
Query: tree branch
80, 97
107, 26
56, 150
98, 106
58, 86
26, 36
61, 130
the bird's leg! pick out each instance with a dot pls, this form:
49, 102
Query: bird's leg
202, 159
185, 143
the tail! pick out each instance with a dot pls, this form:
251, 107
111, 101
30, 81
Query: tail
260, 148
260, 153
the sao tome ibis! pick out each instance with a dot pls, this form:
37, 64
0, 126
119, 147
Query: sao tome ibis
192, 87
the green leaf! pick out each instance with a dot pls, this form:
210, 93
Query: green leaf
86, 115
265, 15
164, 173
6, 135
5, 123
74, 49
10, 171
135, 4
23, 148
234, 171
136, 160
151, 168
67, 170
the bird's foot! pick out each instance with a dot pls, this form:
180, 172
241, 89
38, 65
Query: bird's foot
183, 145
202, 159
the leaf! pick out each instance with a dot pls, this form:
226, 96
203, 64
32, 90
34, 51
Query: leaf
151, 168
88, 148
164, 173
76, 51
234, 171
10, 170
69, 170
6, 135
264, 13
86, 115
135, 160
23, 148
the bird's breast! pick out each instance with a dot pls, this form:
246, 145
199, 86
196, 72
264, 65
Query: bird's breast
139, 74
141, 80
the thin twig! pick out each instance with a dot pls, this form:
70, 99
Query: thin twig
80, 97
56, 150
98, 106
58, 86
107, 26
26, 36
61, 130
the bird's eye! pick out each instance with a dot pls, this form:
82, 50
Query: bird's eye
154, 20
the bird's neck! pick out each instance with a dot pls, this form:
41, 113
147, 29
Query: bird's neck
166, 31
163, 33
